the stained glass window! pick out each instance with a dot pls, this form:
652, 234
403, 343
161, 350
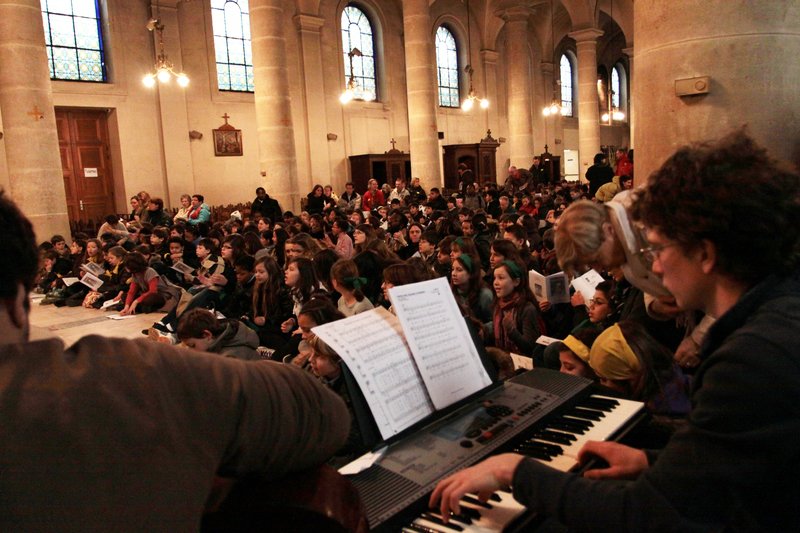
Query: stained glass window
357, 33
447, 68
615, 88
230, 20
566, 86
73, 40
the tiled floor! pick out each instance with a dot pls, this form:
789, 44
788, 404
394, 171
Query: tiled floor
72, 323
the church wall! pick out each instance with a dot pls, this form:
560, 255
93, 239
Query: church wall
149, 128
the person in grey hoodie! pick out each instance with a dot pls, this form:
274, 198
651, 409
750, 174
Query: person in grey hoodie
201, 330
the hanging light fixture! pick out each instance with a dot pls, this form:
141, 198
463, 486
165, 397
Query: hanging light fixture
614, 114
555, 104
164, 70
472, 97
352, 89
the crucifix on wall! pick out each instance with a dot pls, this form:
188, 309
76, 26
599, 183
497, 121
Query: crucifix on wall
227, 139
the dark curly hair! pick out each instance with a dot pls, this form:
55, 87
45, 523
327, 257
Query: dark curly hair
733, 194
20, 258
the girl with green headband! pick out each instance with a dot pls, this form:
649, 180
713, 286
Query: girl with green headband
516, 320
470, 291
347, 282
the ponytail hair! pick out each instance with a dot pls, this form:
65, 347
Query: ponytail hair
345, 272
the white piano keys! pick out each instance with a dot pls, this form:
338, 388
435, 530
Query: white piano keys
503, 511
599, 431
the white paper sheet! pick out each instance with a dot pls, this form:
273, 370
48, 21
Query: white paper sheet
374, 349
70, 281
586, 284
109, 303
118, 316
522, 361
439, 341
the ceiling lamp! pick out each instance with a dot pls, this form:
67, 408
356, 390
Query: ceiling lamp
555, 104
352, 90
472, 97
164, 70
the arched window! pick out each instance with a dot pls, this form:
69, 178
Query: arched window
566, 86
73, 40
447, 68
357, 33
615, 88
230, 20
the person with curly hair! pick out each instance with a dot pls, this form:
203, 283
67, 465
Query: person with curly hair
734, 464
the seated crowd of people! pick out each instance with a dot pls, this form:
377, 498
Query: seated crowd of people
254, 288
679, 302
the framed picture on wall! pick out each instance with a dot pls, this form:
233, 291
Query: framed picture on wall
227, 142
227, 139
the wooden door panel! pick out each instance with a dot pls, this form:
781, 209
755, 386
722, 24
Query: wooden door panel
88, 180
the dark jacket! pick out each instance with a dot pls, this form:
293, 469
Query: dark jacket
735, 464
120, 435
268, 207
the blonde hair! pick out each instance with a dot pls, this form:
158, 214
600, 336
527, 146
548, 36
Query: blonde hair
579, 235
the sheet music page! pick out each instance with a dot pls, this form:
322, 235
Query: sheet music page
374, 348
439, 340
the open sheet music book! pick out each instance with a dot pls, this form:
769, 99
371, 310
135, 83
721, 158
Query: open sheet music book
409, 365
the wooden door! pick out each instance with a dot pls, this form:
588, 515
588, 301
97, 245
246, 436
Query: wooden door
86, 165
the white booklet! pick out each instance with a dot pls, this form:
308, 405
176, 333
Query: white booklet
183, 268
409, 365
109, 303
586, 284
553, 288
70, 281
91, 281
93, 268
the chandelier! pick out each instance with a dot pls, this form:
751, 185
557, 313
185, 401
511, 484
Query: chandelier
352, 90
164, 70
472, 97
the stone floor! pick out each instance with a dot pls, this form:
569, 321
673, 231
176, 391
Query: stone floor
72, 323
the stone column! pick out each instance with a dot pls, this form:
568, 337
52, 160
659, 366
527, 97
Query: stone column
751, 61
520, 95
421, 87
316, 117
629, 52
273, 103
588, 115
489, 64
29, 121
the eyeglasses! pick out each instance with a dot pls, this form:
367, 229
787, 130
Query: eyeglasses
595, 301
652, 253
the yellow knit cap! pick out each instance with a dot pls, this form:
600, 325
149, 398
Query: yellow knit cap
577, 347
611, 357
